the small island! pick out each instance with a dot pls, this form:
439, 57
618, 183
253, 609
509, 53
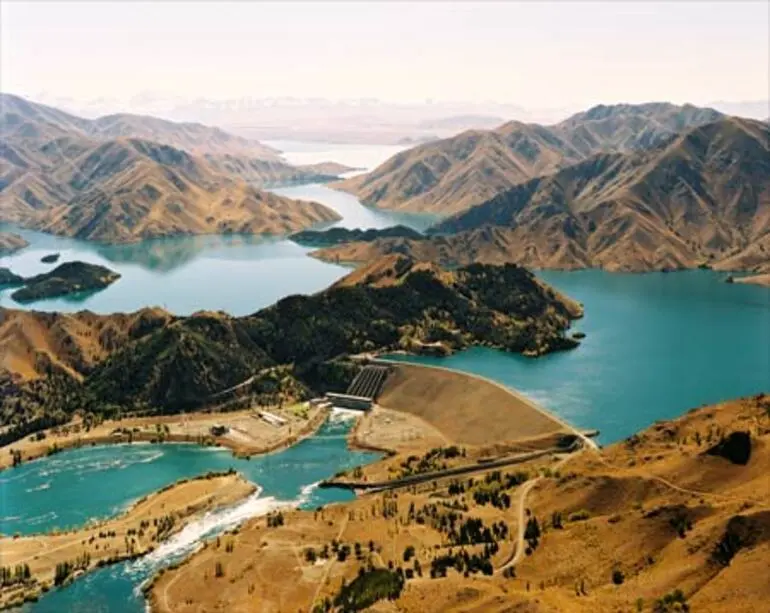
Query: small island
51, 258
65, 279
9, 278
339, 236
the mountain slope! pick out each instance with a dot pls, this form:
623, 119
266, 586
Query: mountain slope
153, 360
702, 198
451, 175
126, 190
123, 178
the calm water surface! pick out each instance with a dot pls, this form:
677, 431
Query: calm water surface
657, 344
238, 274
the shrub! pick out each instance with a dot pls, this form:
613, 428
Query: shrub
581, 515
673, 601
368, 588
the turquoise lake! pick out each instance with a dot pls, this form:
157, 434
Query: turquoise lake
124, 473
656, 345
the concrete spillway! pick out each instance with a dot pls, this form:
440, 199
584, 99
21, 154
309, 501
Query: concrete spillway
363, 390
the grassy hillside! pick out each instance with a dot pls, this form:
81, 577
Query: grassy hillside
700, 199
152, 361
124, 178
674, 518
454, 174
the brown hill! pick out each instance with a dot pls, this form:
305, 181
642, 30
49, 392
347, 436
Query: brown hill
126, 190
54, 364
11, 243
451, 175
664, 521
124, 177
35, 136
31, 342
702, 198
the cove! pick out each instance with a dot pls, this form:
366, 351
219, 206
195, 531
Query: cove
657, 345
239, 274
97, 482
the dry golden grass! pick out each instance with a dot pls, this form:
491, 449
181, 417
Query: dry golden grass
629, 497
71, 342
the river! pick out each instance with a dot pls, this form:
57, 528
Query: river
61, 491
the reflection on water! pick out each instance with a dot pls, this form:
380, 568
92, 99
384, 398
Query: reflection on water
234, 273
167, 254
237, 274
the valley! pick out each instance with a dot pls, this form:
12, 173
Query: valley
660, 366
125, 178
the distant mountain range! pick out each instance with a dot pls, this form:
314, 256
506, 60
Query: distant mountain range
657, 193
366, 120
24, 119
125, 177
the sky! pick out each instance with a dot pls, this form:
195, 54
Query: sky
530, 54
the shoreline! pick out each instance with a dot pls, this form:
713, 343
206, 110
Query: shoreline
179, 504
580, 433
238, 450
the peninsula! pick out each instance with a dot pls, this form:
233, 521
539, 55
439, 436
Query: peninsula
10, 279
65, 279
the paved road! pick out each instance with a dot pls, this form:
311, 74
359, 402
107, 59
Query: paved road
373, 486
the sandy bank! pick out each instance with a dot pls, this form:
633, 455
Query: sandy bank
763, 280
247, 434
146, 524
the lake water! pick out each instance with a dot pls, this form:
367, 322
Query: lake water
657, 344
59, 491
238, 274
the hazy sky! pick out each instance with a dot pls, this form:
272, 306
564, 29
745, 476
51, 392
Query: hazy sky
532, 54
